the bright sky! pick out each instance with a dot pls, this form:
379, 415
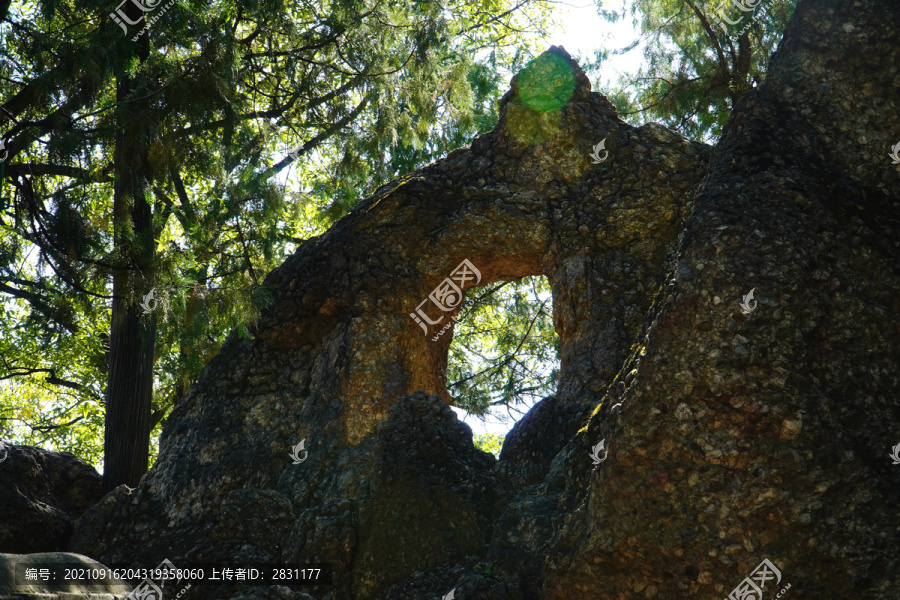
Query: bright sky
582, 33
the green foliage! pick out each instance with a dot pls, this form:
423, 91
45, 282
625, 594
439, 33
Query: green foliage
505, 350
489, 442
486, 569
199, 117
695, 72
547, 84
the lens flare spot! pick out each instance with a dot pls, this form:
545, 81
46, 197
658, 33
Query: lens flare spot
547, 83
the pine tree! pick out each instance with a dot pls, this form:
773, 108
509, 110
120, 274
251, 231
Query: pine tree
701, 57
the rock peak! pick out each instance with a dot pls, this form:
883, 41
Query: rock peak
549, 82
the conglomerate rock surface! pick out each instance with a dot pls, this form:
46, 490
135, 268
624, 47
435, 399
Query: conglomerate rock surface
766, 435
732, 437
336, 353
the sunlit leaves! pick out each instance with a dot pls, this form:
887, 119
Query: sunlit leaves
694, 72
489, 442
505, 351
370, 91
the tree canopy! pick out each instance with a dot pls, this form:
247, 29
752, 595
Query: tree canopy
700, 58
155, 176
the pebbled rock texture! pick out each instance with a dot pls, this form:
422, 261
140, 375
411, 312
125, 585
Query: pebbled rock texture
334, 359
732, 437
766, 435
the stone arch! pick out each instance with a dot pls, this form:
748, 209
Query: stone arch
524, 199
335, 358
740, 437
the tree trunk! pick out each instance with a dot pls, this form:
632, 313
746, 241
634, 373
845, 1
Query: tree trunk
129, 391
132, 334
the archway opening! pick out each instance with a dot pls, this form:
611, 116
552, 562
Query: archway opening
504, 357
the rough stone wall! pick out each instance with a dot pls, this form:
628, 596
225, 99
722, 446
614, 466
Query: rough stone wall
767, 435
41, 494
732, 437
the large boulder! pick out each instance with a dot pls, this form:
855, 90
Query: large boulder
432, 500
15, 583
42, 493
763, 432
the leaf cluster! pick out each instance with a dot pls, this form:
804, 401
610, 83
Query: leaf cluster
505, 351
697, 66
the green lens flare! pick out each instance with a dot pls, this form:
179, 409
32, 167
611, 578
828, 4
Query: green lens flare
547, 83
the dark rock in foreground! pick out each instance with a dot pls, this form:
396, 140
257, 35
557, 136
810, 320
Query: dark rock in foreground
65, 588
42, 493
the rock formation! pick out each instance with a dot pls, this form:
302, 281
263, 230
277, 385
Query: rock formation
766, 435
334, 359
41, 495
732, 437
15, 586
